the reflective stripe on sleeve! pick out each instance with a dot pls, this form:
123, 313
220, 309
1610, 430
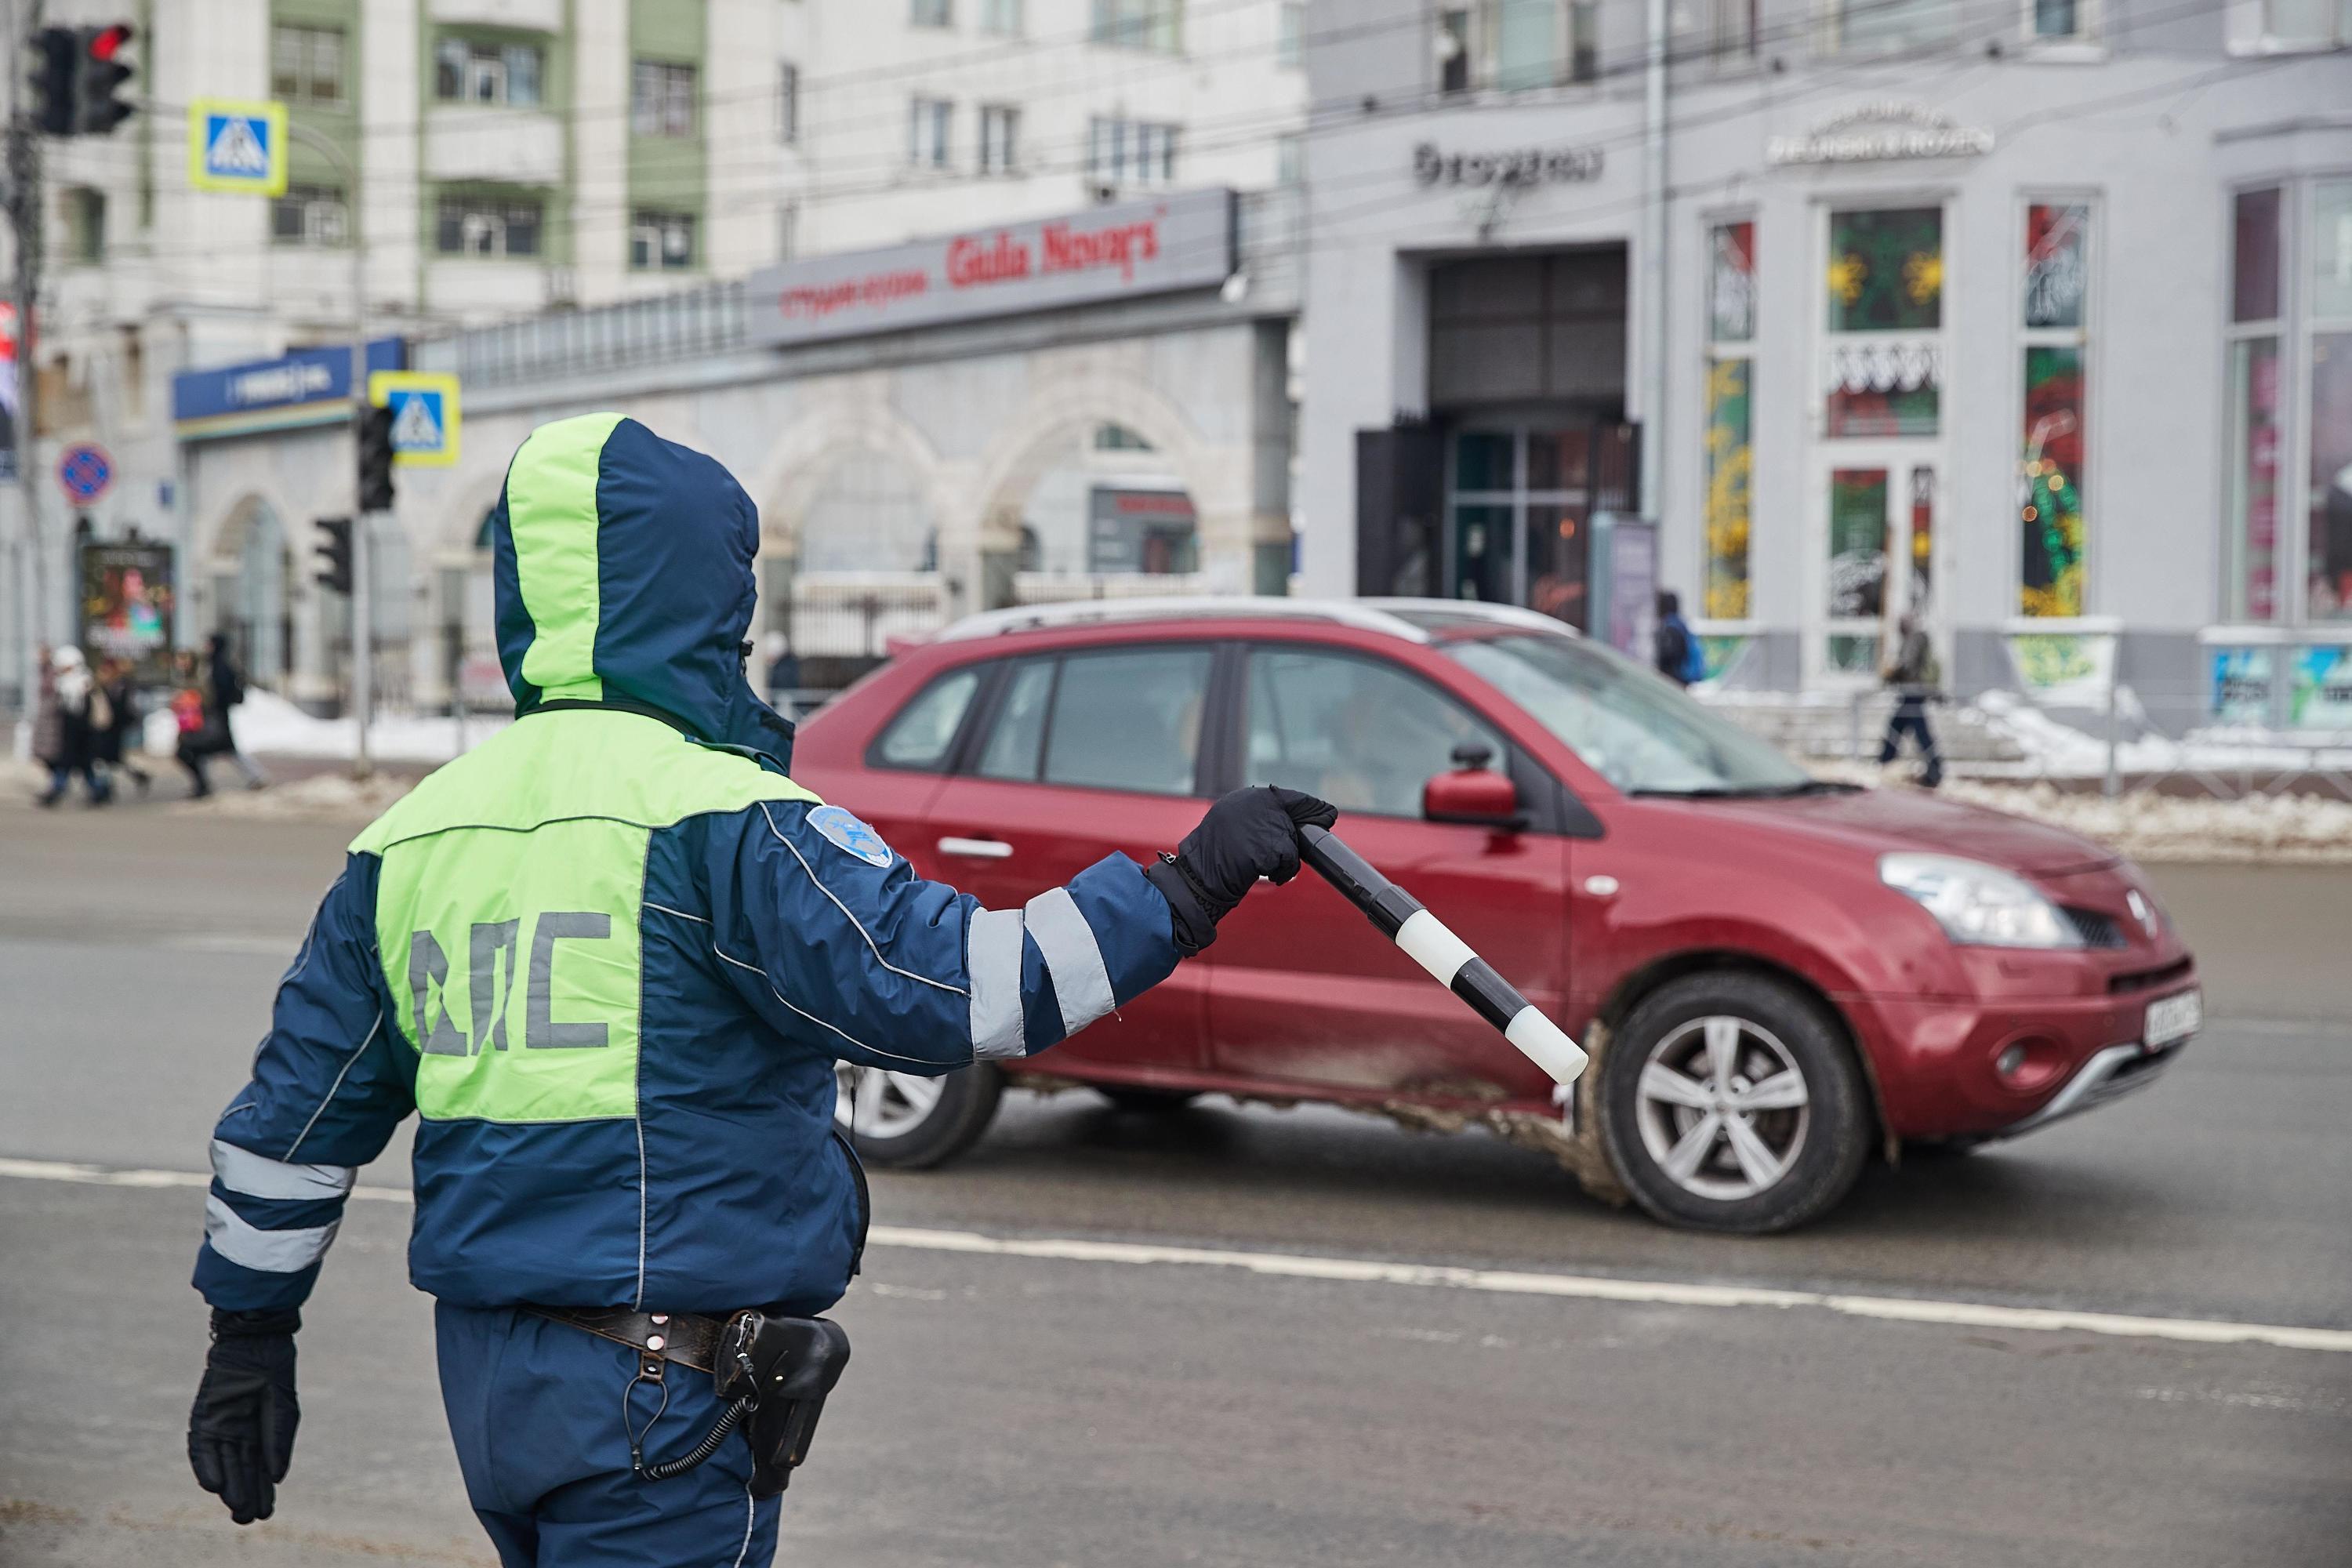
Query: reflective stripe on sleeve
992, 958
1081, 982
268, 1251
257, 1177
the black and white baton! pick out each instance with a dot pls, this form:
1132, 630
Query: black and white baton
1403, 919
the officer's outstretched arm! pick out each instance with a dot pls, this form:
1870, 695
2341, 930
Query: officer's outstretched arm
328, 1086
831, 935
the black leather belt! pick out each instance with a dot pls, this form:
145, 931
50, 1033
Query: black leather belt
688, 1338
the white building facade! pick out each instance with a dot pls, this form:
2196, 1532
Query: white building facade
2029, 318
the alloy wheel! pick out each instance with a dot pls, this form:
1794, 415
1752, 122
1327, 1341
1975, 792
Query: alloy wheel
877, 1104
1722, 1108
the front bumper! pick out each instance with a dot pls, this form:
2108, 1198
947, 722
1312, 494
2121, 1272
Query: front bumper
2108, 1075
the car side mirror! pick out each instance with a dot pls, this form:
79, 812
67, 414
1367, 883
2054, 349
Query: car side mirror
1473, 797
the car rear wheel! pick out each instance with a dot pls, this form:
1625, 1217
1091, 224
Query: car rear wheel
1731, 1103
1139, 1101
910, 1121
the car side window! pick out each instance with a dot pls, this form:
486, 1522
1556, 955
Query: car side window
1361, 733
1019, 731
919, 737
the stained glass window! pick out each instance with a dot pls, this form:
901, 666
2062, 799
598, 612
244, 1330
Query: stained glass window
2050, 501
1857, 543
1731, 284
1885, 355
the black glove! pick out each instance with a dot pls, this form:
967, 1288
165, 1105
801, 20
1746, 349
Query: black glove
241, 1432
1249, 833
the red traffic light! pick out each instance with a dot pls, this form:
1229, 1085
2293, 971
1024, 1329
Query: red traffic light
107, 42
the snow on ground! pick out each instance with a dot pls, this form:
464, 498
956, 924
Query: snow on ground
267, 725
2054, 749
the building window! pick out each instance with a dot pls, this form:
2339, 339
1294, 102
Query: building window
306, 64
85, 215
1290, 34
661, 99
2057, 21
309, 214
929, 132
1115, 438
661, 241
1001, 18
1000, 139
2256, 410
2328, 580
931, 14
1885, 359
788, 103
469, 71
1130, 153
2050, 477
1511, 45
1730, 416
2306, 24
1875, 26
1731, 33
1290, 158
1140, 25
487, 227
788, 231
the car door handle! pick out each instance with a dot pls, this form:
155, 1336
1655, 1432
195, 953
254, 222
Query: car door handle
977, 849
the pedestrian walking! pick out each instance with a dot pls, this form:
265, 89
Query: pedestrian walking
118, 744
48, 725
224, 685
190, 712
610, 958
1672, 649
1913, 676
83, 716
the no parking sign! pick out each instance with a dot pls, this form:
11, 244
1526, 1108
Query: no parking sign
84, 472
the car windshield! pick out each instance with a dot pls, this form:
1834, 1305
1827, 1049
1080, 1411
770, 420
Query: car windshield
1627, 725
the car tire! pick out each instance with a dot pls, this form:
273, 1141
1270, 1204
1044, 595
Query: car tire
911, 1124
1790, 1121
1137, 1101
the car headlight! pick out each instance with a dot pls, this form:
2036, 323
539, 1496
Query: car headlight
1978, 904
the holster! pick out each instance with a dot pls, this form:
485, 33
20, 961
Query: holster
785, 1367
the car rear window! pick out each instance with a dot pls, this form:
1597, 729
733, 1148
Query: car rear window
1127, 719
920, 736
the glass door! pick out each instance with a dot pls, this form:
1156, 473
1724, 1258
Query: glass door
1517, 510
1879, 508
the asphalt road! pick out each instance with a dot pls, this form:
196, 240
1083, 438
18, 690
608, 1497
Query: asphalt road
1102, 1405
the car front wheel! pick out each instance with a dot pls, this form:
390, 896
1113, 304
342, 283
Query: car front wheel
1730, 1103
910, 1121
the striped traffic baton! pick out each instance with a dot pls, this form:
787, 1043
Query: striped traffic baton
1426, 941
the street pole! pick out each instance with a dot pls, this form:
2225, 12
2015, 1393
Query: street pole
23, 207
362, 601
1654, 247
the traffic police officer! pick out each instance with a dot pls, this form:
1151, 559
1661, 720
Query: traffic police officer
610, 958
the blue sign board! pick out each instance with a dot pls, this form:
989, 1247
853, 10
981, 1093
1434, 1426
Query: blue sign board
309, 387
84, 472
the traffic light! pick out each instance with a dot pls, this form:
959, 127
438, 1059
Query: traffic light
103, 73
56, 51
335, 550
375, 425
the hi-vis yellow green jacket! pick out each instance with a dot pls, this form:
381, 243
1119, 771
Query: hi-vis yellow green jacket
611, 956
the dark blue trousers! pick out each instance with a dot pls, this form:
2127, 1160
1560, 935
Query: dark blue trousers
1910, 718
535, 1407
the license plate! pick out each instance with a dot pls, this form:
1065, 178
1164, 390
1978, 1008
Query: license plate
2172, 1018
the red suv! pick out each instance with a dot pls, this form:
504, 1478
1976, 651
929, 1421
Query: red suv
1774, 975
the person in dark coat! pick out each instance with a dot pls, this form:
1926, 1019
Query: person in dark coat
83, 716
117, 745
1672, 648
224, 690
1913, 677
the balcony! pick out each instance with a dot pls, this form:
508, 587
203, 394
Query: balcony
510, 146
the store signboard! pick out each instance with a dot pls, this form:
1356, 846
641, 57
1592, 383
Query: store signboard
2321, 697
126, 606
1888, 130
307, 386
1125, 251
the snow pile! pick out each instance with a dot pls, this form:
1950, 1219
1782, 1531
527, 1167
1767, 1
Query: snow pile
267, 725
326, 797
2297, 829
2054, 749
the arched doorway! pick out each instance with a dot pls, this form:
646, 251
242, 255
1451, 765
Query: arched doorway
251, 601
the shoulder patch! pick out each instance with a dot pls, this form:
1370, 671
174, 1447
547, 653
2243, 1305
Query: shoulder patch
846, 831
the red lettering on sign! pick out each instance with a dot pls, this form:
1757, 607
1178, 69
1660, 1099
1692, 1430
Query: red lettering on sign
815, 302
1001, 261
1073, 250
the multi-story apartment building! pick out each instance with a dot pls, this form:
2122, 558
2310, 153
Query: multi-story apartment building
497, 160
2034, 317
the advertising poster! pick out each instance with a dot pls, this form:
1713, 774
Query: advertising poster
2241, 686
126, 606
2322, 695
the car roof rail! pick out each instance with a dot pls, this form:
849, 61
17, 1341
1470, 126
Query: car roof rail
1362, 617
1475, 610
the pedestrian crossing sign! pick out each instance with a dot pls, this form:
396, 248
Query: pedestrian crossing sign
237, 146
423, 416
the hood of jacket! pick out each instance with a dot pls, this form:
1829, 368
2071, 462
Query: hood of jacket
623, 573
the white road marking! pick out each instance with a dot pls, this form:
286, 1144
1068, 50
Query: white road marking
1497, 1281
